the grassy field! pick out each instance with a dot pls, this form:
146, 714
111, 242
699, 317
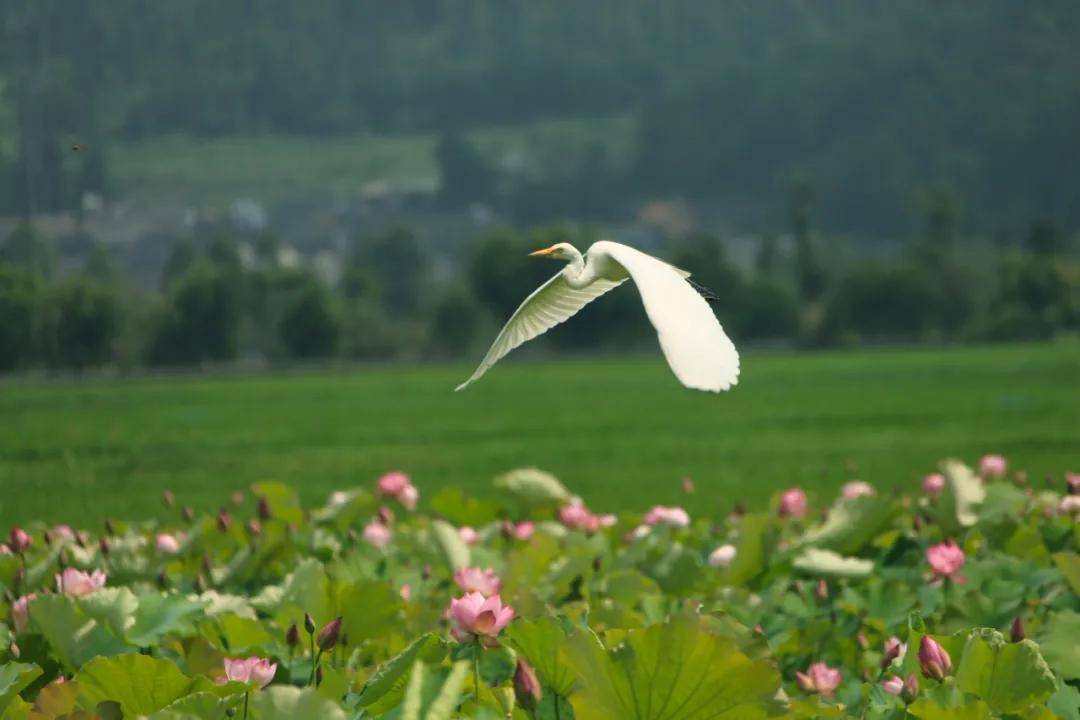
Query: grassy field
621, 433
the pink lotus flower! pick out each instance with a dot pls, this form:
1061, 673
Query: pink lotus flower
405, 592
793, 503
77, 583
722, 556
63, 532
993, 466
578, 517
894, 685
468, 535
397, 485
933, 659
933, 484
1069, 505
820, 678
661, 515
392, 483
167, 544
893, 649
20, 540
1072, 481
20, 612
946, 560
857, 489
479, 618
475, 580
377, 535
409, 497
520, 531
252, 671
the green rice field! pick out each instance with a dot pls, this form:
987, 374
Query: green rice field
622, 433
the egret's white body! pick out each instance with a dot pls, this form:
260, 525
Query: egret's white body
699, 353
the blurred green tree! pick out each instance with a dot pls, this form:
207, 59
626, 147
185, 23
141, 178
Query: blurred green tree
200, 320
82, 320
310, 326
20, 292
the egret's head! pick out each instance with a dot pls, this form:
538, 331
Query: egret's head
558, 251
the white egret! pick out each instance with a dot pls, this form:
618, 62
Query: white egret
699, 353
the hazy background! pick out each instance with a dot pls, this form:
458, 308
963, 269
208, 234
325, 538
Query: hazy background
206, 181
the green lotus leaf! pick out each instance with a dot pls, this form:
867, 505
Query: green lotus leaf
826, 562
673, 671
534, 487
13, 678
386, 687
284, 702
541, 642
140, 684
453, 548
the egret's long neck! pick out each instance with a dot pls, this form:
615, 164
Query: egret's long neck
577, 274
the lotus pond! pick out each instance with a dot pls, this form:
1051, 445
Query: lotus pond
958, 599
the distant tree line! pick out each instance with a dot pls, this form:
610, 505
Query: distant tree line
732, 100
217, 304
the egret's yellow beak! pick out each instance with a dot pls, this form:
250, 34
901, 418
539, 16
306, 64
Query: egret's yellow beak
543, 253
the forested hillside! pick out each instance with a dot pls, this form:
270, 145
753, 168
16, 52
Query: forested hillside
875, 103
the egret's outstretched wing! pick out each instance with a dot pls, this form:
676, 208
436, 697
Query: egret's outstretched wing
694, 343
552, 303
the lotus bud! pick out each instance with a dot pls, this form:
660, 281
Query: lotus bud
110, 527
292, 636
933, 659
893, 649
687, 486
328, 636
894, 685
254, 529
103, 546
188, 514
167, 498
526, 686
309, 624
1018, 631
739, 510
822, 590
237, 498
263, 508
386, 515
81, 539
224, 521
911, 688
20, 540
47, 537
